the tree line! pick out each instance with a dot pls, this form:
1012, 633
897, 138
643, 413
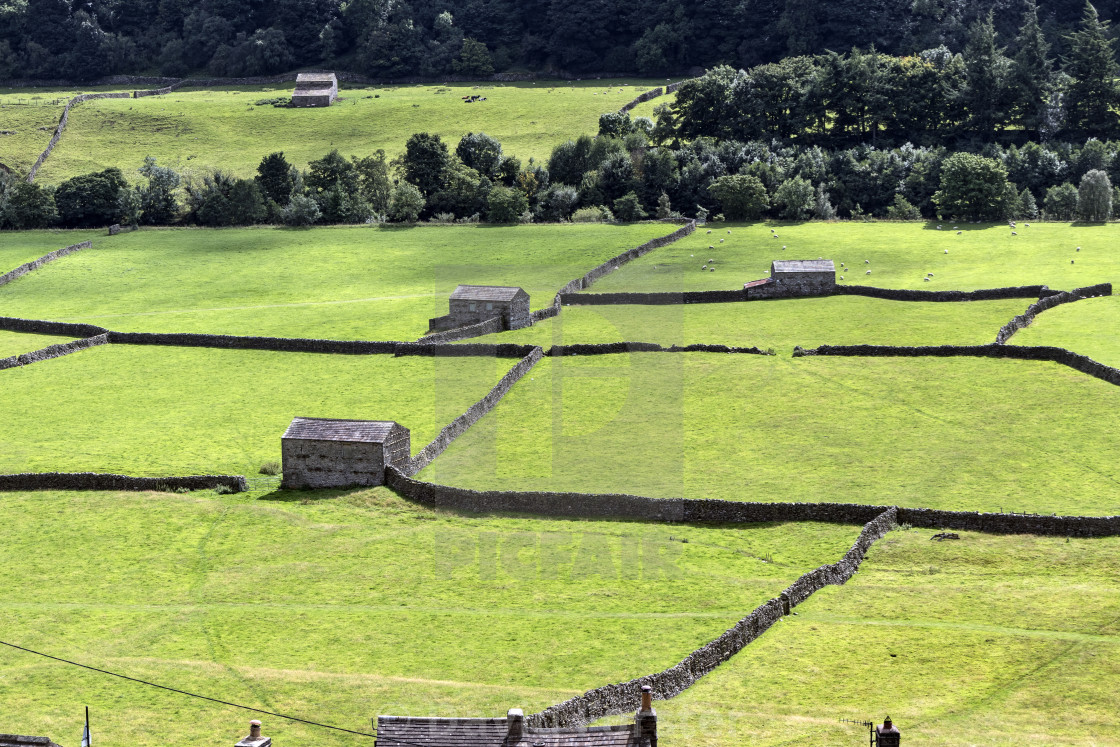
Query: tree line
621, 175
86, 39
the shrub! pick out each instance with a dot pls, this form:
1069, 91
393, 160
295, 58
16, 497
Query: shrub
972, 187
506, 205
628, 208
270, 468
406, 203
902, 209
795, 199
1028, 208
1061, 202
664, 207
597, 214
742, 197
301, 211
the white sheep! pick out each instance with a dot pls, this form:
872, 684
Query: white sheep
783, 246
704, 267
721, 241
729, 231
1078, 248
1014, 233
868, 272
709, 230
926, 279
867, 261
959, 233
946, 251
841, 277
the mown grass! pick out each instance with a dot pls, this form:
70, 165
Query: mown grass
338, 606
172, 411
200, 129
1087, 327
988, 641
19, 247
14, 343
958, 433
341, 283
900, 255
780, 324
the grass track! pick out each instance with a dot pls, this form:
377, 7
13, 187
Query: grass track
986, 641
346, 605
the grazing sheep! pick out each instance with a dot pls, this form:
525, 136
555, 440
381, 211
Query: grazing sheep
1071, 261
783, 246
721, 241
959, 233
1028, 225
710, 246
771, 230
868, 272
712, 270
926, 279
929, 274
1078, 248
841, 277
710, 261
946, 251
867, 261
1014, 234
729, 231
704, 267
939, 228
954, 228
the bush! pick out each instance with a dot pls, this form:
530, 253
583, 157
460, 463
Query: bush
795, 199
742, 197
1061, 202
270, 468
972, 188
902, 209
506, 205
301, 211
1028, 208
406, 203
597, 214
1094, 197
628, 208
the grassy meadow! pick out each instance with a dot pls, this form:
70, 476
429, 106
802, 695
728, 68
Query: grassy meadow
341, 283
898, 255
986, 641
14, 343
1088, 327
195, 129
345, 605
17, 248
953, 433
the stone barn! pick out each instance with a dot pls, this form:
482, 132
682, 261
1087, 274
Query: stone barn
330, 453
795, 277
315, 89
471, 304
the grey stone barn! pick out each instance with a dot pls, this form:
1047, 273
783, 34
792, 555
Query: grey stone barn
795, 277
471, 304
315, 89
330, 453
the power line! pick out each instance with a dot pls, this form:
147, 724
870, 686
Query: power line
193, 695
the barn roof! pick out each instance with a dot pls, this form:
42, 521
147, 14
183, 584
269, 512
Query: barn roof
18, 740
327, 78
331, 429
802, 265
487, 293
494, 732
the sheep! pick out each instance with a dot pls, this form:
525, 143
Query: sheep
868, 272
710, 246
721, 241
1071, 261
783, 246
704, 267
946, 251
1028, 225
867, 261
959, 233
926, 279
1078, 248
841, 277
710, 261
929, 274
771, 230
712, 270
939, 228
709, 230
954, 228
729, 231
1014, 233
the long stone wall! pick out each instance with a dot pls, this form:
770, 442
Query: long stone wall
62, 125
625, 697
487, 327
987, 294
98, 481
1043, 304
40, 327
159, 91
37, 263
466, 350
459, 425
613, 348
232, 342
1065, 357
52, 351
653, 299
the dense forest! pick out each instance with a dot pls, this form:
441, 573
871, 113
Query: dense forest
85, 39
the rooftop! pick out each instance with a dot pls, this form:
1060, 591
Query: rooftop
494, 732
486, 293
802, 265
327, 78
328, 429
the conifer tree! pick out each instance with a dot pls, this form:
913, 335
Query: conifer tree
1031, 72
1092, 64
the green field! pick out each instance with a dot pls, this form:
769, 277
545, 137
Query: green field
899, 255
985, 641
14, 343
954, 433
196, 130
349, 605
1088, 327
342, 283
33, 126
779, 324
17, 248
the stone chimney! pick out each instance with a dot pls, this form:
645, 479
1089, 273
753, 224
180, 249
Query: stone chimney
888, 734
646, 718
516, 719
255, 739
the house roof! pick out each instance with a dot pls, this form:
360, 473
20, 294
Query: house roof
802, 265
400, 731
327, 78
18, 740
331, 429
487, 293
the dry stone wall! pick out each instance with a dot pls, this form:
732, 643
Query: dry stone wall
232, 342
62, 125
613, 348
37, 263
40, 327
1049, 302
459, 425
97, 481
487, 327
653, 299
987, 294
53, 351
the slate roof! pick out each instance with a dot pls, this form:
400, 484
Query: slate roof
486, 293
802, 265
18, 740
329, 429
327, 78
402, 731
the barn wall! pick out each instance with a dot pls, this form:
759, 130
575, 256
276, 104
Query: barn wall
331, 464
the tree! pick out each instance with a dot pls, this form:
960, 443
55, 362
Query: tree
794, 198
406, 203
423, 163
1031, 71
615, 124
480, 152
628, 208
506, 205
373, 178
1093, 94
301, 211
558, 201
972, 187
158, 205
90, 199
664, 207
986, 92
474, 60
902, 209
1094, 197
28, 206
1028, 208
822, 206
570, 161
464, 192
274, 175
741, 196
1061, 202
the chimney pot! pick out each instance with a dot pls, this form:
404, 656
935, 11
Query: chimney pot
647, 698
255, 739
254, 729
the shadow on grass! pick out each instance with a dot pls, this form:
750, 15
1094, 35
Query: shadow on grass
301, 496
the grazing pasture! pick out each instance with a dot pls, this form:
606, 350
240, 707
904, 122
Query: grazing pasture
20, 247
342, 283
198, 129
953, 433
14, 343
337, 606
986, 640
1090, 327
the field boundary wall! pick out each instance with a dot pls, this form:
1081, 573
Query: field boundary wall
53, 351
985, 294
651, 94
487, 327
62, 120
100, 481
474, 413
35, 264
1076, 361
1044, 304
234, 342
